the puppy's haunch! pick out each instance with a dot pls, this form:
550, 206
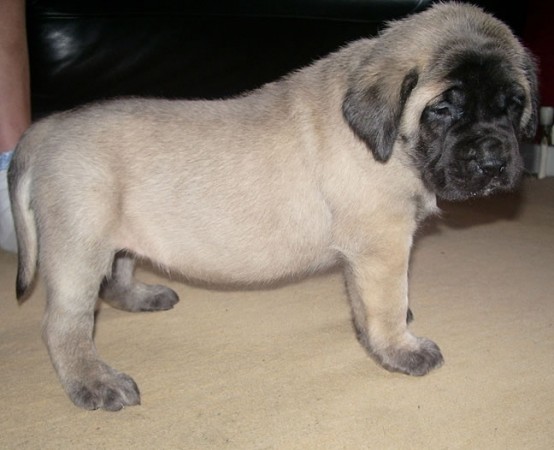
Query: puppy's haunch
334, 164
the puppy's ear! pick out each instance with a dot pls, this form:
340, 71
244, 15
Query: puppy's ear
374, 112
529, 129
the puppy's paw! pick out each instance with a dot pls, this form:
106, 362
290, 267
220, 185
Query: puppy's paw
156, 298
112, 392
417, 360
139, 297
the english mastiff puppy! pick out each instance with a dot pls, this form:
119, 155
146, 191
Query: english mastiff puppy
335, 164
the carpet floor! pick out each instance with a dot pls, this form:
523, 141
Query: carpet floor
281, 368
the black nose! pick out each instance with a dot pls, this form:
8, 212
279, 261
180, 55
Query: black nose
492, 167
491, 162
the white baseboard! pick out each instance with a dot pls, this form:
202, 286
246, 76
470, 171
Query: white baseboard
532, 159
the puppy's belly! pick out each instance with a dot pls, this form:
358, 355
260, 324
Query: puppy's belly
231, 249
256, 261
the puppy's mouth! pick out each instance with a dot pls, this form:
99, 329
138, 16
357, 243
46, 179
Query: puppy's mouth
472, 179
477, 165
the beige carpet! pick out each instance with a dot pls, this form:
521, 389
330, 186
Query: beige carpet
281, 369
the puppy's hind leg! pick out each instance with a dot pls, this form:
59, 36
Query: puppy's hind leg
122, 291
72, 278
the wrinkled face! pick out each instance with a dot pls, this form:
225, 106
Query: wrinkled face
469, 135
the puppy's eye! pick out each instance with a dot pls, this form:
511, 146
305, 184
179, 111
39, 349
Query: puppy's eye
518, 100
514, 98
514, 106
442, 111
445, 112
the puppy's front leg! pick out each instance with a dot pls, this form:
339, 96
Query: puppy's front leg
377, 284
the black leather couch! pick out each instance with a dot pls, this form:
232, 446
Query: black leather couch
91, 49
84, 50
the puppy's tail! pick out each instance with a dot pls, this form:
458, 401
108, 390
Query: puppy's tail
19, 181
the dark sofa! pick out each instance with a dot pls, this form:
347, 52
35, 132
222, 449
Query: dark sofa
86, 50
91, 49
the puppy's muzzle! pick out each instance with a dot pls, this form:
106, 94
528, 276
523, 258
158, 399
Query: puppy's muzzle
491, 157
485, 164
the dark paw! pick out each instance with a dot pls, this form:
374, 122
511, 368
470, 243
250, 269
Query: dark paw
409, 316
160, 299
111, 393
139, 297
417, 362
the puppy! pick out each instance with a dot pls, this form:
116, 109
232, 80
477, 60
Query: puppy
335, 164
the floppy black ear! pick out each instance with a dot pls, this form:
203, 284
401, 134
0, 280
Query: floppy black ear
374, 113
529, 129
